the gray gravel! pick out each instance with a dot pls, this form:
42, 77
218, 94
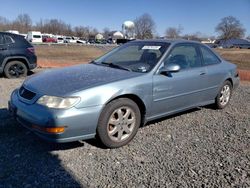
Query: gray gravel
199, 148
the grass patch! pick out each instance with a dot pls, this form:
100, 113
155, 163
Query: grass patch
69, 53
240, 57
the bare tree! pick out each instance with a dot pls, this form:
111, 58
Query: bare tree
144, 27
4, 24
229, 28
86, 32
22, 23
173, 32
79, 31
248, 37
106, 33
54, 26
195, 36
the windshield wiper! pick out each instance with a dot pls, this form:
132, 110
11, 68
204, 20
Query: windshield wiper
93, 62
116, 66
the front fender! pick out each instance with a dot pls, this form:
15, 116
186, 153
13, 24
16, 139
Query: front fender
101, 95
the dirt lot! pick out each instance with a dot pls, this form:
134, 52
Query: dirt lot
48, 56
199, 148
65, 55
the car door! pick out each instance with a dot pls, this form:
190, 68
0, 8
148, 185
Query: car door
3, 49
215, 74
179, 90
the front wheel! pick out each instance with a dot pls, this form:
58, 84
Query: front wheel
224, 95
118, 123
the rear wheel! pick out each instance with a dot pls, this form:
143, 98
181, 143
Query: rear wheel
15, 69
224, 95
118, 123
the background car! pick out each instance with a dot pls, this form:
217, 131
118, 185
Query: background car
17, 55
49, 39
60, 39
140, 81
81, 41
68, 39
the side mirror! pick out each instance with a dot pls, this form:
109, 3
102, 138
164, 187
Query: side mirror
170, 68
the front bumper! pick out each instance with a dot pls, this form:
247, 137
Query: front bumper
32, 62
236, 82
80, 124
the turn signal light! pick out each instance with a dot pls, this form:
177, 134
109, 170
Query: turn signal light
49, 129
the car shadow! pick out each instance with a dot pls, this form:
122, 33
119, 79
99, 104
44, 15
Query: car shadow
171, 116
27, 160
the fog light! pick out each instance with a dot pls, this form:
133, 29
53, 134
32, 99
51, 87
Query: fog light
49, 129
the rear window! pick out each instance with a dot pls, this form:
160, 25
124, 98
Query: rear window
37, 36
209, 58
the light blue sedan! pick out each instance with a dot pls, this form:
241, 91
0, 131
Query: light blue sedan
112, 96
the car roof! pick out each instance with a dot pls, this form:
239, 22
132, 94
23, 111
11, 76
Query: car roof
10, 34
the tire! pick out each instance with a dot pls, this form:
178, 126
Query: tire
116, 130
224, 95
15, 69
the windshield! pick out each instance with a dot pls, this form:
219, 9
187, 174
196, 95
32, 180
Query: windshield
138, 56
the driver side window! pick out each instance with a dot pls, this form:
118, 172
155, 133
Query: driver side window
185, 56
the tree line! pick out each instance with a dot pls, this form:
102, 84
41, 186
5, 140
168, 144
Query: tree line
145, 28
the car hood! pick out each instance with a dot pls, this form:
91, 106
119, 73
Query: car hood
65, 81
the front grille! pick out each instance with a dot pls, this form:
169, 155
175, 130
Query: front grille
26, 94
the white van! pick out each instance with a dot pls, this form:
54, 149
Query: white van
34, 36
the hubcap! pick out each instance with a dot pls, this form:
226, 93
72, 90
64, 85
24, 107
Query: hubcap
225, 95
16, 70
121, 124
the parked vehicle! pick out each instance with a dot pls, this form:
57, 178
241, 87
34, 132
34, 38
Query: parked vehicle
48, 39
91, 41
140, 81
68, 39
60, 39
17, 55
34, 36
81, 41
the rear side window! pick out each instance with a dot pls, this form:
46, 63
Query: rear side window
1, 40
209, 58
186, 56
8, 40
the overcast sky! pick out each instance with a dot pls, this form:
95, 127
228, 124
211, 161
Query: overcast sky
192, 15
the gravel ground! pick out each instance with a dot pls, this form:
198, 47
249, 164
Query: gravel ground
199, 148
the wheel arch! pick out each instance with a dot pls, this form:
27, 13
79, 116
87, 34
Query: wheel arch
16, 58
141, 105
231, 81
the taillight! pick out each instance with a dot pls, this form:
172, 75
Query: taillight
31, 50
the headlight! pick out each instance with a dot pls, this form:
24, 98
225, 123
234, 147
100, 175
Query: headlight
58, 102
